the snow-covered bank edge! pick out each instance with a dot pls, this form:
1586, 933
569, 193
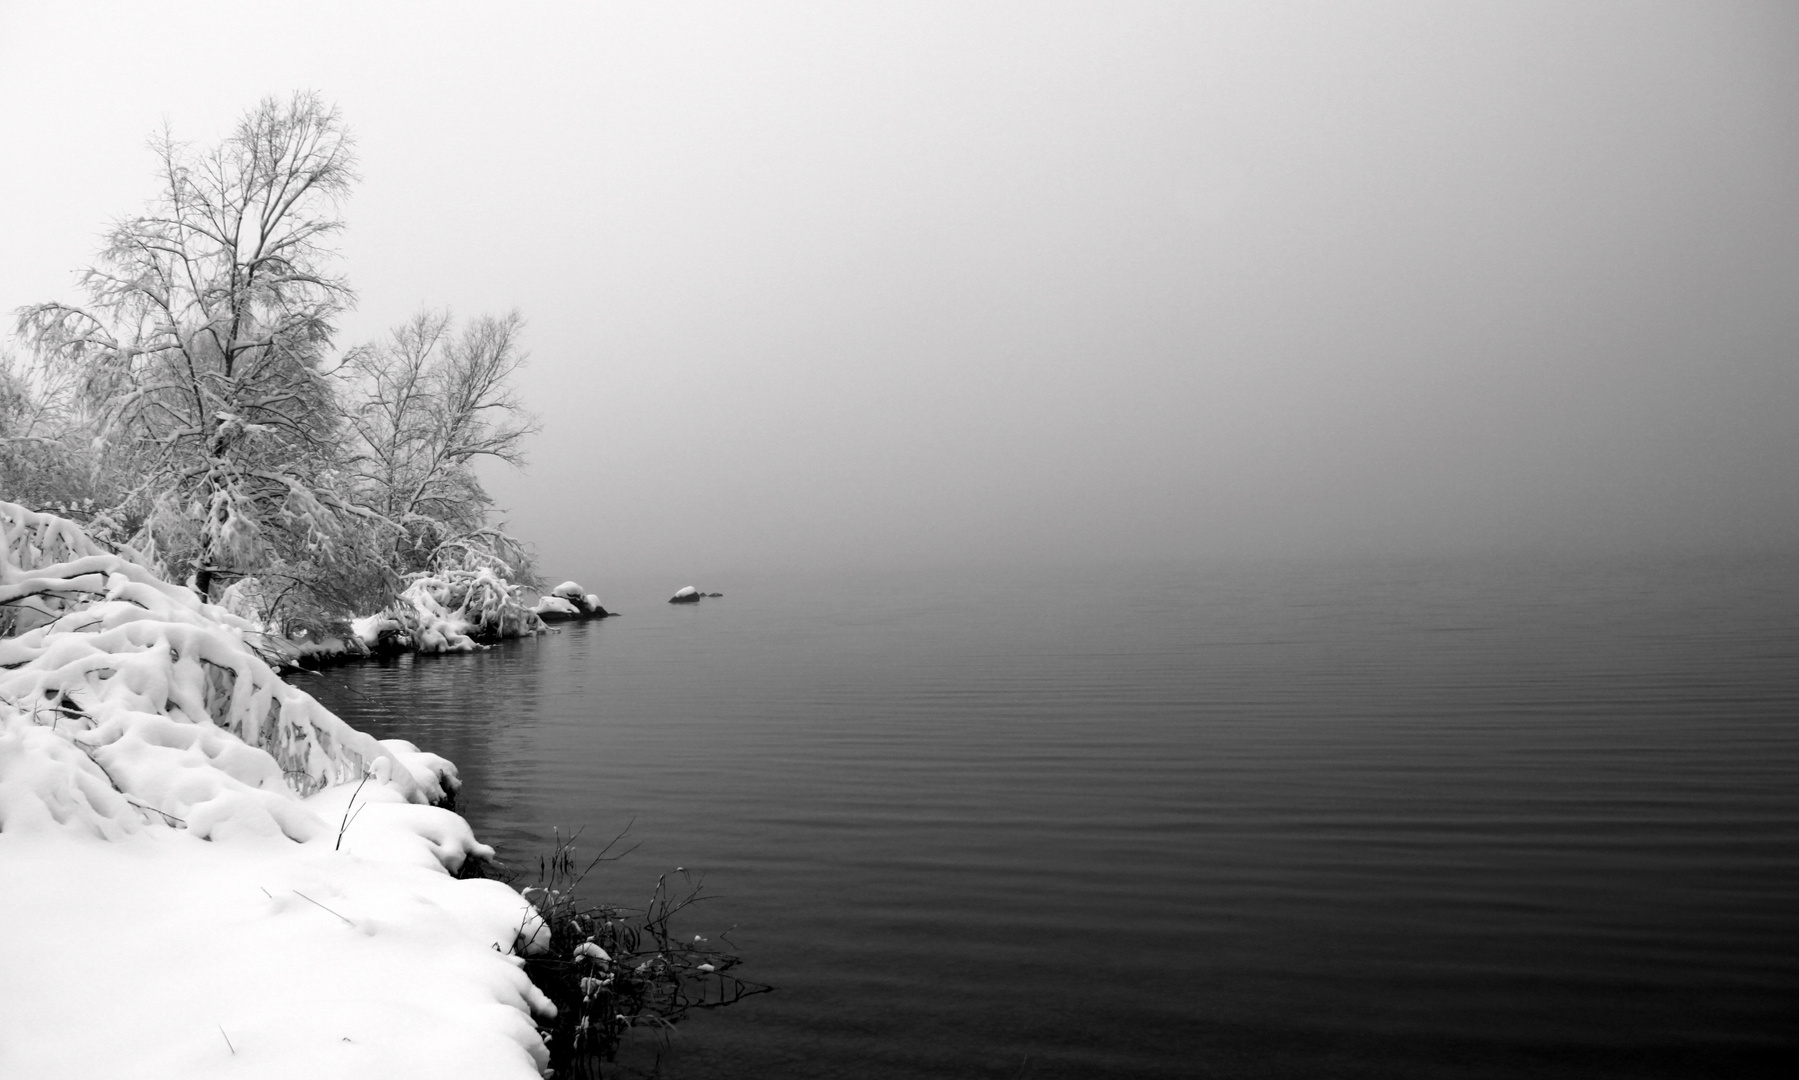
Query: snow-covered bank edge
453, 611
205, 872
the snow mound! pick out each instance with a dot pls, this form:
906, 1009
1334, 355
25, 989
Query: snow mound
436, 776
47, 783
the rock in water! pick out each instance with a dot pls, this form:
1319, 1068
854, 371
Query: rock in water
556, 609
568, 601
689, 595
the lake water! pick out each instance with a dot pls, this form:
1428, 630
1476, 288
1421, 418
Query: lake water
1394, 820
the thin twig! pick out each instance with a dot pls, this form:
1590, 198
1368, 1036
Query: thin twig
310, 900
349, 817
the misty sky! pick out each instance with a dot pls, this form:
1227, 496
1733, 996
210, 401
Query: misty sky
842, 284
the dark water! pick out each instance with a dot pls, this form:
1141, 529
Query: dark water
1374, 821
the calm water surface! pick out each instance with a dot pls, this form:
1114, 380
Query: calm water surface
1374, 821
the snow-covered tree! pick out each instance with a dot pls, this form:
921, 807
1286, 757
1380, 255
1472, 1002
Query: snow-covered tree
47, 451
431, 401
203, 344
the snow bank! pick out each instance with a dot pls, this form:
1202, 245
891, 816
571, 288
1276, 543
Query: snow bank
165, 957
434, 775
224, 875
166, 699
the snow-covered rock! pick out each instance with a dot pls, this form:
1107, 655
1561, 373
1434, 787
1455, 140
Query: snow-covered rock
569, 601
687, 595
554, 608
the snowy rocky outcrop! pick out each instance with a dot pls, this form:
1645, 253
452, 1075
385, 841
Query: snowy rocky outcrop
569, 601
691, 595
227, 877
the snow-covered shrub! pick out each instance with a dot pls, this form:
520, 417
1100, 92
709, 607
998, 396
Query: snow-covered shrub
48, 455
126, 699
451, 611
34, 541
292, 633
610, 969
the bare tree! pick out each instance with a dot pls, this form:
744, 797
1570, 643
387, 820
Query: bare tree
202, 346
433, 401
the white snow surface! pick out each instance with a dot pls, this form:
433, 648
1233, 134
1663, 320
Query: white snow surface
556, 605
207, 873
368, 628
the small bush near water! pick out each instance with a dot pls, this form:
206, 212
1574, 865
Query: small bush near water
611, 970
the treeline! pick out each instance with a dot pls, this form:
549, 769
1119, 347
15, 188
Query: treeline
196, 410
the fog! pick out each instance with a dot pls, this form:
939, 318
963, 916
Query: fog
838, 285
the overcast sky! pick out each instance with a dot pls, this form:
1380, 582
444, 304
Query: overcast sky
845, 284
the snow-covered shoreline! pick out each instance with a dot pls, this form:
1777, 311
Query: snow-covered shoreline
206, 873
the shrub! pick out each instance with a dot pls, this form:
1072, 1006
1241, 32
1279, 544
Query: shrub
611, 970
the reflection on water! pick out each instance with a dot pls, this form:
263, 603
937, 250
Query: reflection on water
1382, 821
